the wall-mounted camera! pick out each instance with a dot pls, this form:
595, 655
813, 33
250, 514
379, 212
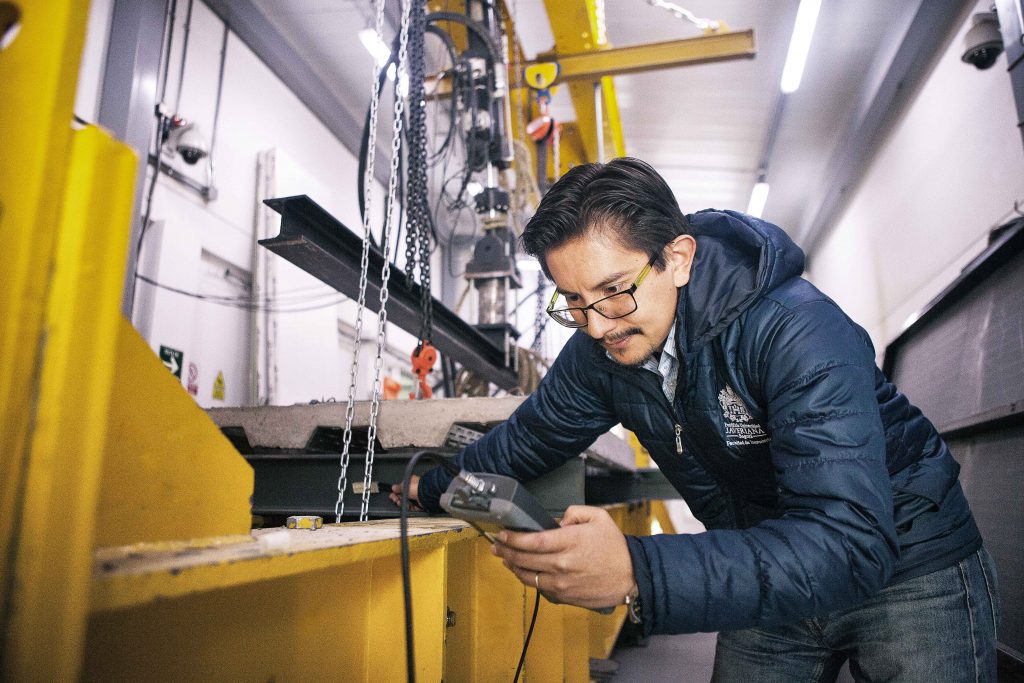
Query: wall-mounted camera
983, 44
184, 138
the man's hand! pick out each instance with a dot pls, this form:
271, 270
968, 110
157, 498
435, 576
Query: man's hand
414, 489
585, 563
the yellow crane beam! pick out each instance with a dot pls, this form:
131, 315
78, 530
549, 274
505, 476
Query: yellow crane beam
714, 47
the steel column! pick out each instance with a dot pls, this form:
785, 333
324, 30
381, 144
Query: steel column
129, 98
574, 26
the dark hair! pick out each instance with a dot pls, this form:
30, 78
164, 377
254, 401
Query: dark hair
625, 197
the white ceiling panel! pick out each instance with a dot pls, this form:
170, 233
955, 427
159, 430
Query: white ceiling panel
704, 127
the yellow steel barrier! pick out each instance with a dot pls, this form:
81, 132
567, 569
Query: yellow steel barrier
37, 76
168, 473
327, 604
56, 513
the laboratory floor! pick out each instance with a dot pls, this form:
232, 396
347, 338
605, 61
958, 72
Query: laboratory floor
680, 659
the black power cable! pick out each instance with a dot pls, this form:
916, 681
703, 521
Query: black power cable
364, 144
494, 52
529, 634
410, 656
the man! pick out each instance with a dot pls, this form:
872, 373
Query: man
837, 528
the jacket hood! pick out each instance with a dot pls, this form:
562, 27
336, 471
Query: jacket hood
739, 259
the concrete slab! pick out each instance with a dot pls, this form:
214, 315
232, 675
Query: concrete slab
400, 424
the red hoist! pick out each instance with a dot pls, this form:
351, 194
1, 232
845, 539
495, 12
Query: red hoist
544, 130
423, 358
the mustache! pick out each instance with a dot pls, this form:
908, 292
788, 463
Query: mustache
608, 339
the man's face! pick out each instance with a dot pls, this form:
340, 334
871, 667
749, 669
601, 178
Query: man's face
596, 265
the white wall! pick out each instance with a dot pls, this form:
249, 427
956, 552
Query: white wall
207, 248
947, 173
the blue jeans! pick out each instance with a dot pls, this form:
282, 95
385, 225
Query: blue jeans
936, 628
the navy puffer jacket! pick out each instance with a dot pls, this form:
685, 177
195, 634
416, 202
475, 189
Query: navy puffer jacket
818, 481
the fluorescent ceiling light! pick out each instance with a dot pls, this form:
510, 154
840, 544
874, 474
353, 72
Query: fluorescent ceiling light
758, 198
381, 54
375, 46
800, 44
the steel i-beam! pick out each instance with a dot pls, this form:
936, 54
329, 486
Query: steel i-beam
318, 243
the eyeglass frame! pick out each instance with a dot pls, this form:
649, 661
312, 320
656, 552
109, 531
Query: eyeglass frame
631, 290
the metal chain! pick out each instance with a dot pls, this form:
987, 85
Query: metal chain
417, 242
364, 268
382, 316
556, 149
538, 320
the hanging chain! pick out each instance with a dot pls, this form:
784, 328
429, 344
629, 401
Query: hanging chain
364, 269
382, 316
556, 149
538, 320
417, 233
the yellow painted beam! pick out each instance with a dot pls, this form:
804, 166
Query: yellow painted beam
69, 431
136, 575
604, 630
38, 73
574, 25
713, 47
573, 152
340, 623
264, 615
169, 473
253, 608
660, 513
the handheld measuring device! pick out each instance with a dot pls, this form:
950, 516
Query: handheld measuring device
492, 502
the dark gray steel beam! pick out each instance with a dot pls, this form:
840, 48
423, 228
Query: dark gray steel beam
128, 99
246, 20
315, 241
890, 89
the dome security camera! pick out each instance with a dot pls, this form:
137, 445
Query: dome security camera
191, 145
185, 139
983, 44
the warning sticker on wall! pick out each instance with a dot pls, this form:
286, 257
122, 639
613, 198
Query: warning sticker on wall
218, 386
193, 379
172, 359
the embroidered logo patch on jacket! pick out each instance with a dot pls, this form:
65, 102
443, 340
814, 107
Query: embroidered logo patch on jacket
740, 428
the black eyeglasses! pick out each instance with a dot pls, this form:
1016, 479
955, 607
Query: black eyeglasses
618, 305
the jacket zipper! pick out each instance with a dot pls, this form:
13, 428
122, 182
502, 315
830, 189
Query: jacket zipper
678, 427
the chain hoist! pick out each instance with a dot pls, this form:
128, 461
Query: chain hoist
417, 233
